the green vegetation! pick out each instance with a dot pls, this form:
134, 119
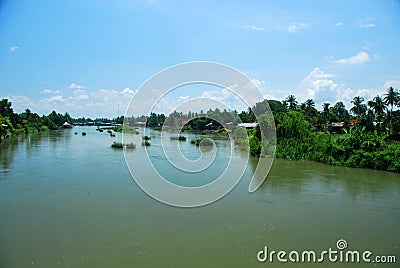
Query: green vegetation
206, 142
146, 138
369, 135
12, 123
202, 142
119, 145
145, 143
125, 129
178, 138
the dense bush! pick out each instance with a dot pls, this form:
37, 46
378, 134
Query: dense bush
178, 138
296, 139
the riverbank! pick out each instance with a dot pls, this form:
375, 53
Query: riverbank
356, 148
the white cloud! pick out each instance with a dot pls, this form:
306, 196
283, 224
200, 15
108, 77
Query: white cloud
76, 86
320, 87
50, 92
127, 91
258, 83
339, 24
377, 56
391, 83
367, 25
256, 28
20, 103
317, 73
80, 94
13, 48
106, 95
295, 27
183, 98
317, 85
367, 22
361, 57
56, 98
82, 97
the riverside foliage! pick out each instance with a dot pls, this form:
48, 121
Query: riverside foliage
368, 137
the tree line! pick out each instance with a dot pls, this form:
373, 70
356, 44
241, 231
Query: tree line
369, 135
27, 121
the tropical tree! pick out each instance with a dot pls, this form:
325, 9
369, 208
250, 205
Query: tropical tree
5, 108
359, 108
392, 98
325, 110
7, 111
310, 107
291, 101
340, 112
378, 106
310, 104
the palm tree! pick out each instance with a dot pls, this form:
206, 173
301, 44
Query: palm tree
392, 97
378, 106
310, 104
359, 108
291, 100
326, 111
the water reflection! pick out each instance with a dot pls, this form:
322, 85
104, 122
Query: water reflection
293, 177
30, 145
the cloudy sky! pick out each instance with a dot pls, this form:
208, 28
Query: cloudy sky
89, 57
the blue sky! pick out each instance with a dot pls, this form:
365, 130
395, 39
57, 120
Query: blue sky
89, 57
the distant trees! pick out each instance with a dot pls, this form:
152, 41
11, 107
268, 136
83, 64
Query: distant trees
377, 114
326, 112
155, 120
248, 117
359, 107
340, 113
27, 121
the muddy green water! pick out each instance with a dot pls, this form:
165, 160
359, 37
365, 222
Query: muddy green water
69, 201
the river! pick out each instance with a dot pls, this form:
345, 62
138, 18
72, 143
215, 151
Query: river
69, 200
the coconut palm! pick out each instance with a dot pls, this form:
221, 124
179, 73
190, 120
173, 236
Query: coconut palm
310, 104
326, 112
392, 97
291, 100
359, 108
378, 106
